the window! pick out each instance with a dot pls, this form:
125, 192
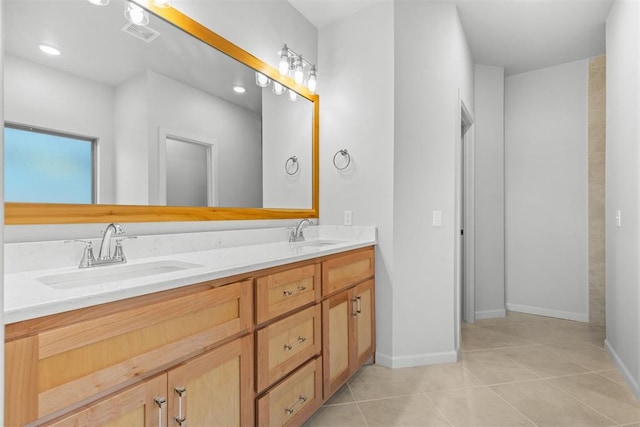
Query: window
47, 167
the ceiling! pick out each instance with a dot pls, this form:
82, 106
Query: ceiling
519, 35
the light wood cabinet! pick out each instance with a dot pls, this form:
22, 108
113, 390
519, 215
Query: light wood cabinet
215, 389
138, 406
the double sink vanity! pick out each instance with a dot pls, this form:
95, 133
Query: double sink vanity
234, 334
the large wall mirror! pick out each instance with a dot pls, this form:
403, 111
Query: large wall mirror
160, 122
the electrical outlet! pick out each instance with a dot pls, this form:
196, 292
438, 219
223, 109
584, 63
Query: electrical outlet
437, 218
618, 219
348, 219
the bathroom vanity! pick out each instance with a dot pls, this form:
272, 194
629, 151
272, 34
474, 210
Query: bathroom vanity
263, 342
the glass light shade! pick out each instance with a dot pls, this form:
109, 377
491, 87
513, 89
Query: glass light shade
99, 2
283, 65
162, 3
298, 75
135, 14
312, 82
262, 80
292, 95
277, 88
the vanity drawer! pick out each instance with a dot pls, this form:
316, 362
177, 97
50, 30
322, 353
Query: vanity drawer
295, 399
343, 271
79, 360
286, 344
279, 293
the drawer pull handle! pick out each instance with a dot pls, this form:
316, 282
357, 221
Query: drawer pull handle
180, 419
354, 307
302, 288
160, 401
287, 293
300, 340
292, 408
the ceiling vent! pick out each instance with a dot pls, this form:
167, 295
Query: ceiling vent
142, 32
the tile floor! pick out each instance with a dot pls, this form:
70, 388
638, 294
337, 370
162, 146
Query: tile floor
522, 370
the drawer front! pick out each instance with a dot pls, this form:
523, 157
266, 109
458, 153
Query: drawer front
80, 360
286, 344
280, 293
344, 271
295, 399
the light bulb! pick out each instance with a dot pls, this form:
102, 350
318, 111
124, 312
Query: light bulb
312, 82
283, 65
292, 95
136, 15
277, 88
48, 49
262, 80
298, 75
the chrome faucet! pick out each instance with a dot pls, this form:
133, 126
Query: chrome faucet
104, 256
296, 234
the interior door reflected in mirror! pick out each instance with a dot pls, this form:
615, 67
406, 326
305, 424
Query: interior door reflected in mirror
165, 119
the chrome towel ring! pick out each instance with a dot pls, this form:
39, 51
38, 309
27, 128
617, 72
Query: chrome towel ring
291, 166
345, 155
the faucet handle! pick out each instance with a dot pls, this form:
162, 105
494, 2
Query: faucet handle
118, 252
87, 256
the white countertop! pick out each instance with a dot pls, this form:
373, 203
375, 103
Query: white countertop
27, 297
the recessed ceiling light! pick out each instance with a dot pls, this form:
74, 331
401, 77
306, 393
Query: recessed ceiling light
48, 49
239, 89
99, 2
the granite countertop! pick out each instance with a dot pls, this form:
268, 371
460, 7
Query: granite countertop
27, 294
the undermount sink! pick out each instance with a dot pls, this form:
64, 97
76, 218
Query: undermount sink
317, 243
103, 275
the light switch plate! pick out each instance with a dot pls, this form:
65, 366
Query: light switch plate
618, 219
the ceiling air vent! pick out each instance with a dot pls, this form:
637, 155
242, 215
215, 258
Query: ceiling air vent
143, 33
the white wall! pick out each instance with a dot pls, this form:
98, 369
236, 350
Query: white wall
46, 98
546, 191
622, 189
489, 191
432, 67
356, 113
286, 131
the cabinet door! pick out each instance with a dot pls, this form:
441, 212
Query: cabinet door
364, 321
336, 324
215, 389
143, 405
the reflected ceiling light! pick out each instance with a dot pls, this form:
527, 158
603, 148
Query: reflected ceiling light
292, 64
162, 3
262, 80
292, 95
135, 14
99, 2
48, 49
239, 89
277, 88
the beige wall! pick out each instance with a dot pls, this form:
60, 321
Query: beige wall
597, 115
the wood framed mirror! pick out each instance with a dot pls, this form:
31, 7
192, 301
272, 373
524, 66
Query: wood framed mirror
132, 175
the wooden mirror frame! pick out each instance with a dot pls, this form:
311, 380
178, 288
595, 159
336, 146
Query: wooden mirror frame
53, 213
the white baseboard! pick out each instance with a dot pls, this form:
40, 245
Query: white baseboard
490, 314
631, 382
416, 359
580, 317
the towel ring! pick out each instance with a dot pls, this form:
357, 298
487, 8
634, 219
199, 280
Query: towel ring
344, 153
293, 160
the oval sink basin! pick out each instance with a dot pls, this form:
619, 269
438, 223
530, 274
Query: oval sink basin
103, 275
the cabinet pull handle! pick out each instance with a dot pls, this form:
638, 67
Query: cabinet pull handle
287, 293
359, 305
300, 340
180, 419
160, 401
354, 307
302, 288
290, 410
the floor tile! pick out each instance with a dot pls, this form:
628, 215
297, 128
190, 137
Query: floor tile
535, 332
609, 398
545, 405
441, 377
541, 361
613, 375
343, 395
585, 354
491, 367
483, 338
476, 407
337, 415
402, 411
377, 390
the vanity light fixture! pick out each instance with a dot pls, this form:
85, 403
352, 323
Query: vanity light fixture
99, 2
262, 80
48, 49
239, 89
291, 64
135, 14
